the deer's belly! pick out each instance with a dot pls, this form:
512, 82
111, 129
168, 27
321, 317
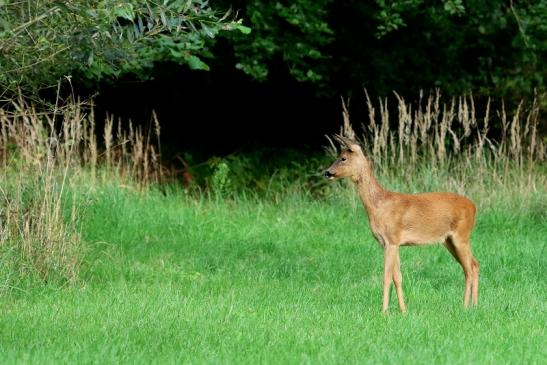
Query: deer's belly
421, 238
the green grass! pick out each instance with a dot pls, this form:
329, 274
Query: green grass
172, 279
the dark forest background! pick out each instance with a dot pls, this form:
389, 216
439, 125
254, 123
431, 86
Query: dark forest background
232, 75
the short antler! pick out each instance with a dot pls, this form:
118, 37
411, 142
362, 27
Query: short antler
344, 140
349, 143
346, 137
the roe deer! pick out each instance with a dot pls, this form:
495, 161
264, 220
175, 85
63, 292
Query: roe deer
410, 219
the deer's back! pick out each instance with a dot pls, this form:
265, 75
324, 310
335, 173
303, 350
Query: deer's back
426, 217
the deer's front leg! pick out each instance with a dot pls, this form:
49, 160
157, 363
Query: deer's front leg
398, 281
390, 256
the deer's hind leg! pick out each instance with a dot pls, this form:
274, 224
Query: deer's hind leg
460, 248
475, 289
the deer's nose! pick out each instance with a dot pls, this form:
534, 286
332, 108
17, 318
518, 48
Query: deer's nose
328, 174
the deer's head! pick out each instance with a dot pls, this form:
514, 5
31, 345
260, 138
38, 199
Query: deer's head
349, 163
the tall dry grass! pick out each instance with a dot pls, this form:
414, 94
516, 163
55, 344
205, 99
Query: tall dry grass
448, 144
42, 157
433, 144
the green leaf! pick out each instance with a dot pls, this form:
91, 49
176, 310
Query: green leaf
175, 53
243, 29
196, 63
4, 23
125, 11
208, 31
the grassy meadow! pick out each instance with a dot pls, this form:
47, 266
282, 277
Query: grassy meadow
100, 264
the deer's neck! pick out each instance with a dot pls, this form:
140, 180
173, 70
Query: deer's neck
370, 191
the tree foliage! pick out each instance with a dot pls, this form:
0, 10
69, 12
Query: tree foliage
44, 40
494, 47
294, 32
491, 47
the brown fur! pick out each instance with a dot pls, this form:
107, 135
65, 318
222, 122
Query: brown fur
398, 219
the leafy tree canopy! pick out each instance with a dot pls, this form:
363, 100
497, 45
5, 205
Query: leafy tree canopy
496, 46
43, 40
491, 47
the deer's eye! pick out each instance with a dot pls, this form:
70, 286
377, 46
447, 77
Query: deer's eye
343, 159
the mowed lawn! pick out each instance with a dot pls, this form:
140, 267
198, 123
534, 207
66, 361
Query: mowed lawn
168, 279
